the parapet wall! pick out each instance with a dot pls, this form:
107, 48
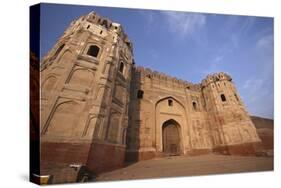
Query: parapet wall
164, 78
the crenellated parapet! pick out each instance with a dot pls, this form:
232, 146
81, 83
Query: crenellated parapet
155, 75
212, 78
96, 102
109, 25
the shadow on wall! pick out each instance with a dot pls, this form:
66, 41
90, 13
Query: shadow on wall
105, 153
135, 121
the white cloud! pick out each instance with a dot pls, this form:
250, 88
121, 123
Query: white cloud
259, 94
253, 86
265, 42
150, 18
218, 58
184, 24
247, 25
221, 55
237, 27
214, 66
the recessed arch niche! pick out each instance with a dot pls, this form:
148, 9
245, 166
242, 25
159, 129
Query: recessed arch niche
64, 118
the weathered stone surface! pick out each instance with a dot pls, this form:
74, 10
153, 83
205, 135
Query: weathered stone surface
98, 108
105, 157
209, 116
84, 97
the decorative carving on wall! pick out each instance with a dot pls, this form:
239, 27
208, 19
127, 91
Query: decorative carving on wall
63, 119
114, 126
65, 57
120, 93
82, 77
49, 83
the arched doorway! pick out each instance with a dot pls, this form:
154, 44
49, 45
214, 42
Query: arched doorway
171, 138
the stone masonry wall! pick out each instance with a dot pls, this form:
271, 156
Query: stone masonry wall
98, 108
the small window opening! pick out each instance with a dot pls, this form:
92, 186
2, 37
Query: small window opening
93, 51
223, 99
88, 26
59, 50
236, 97
101, 32
194, 104
170, 102
140, 94
121, 67
104, 23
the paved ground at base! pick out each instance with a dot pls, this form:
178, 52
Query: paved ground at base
189, 166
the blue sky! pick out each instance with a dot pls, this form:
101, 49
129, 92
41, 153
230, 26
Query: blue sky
188, 45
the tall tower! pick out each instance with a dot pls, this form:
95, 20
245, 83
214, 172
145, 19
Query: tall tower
85, 81
232, 129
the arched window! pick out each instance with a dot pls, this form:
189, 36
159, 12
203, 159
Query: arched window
93, 51
223, 99
194, 105
121, 67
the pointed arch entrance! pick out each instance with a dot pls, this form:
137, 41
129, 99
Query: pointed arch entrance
171, 137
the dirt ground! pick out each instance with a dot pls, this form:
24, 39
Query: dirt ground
189, 166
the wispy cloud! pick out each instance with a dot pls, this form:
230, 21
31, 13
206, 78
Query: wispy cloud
232, 42
259, 95
253, 86
258, 90
247, 25
214, 66
218, 58
151, 20
265, 42
148, 15
244, 25
184, 24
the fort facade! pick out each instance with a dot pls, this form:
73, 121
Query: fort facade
99, 109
